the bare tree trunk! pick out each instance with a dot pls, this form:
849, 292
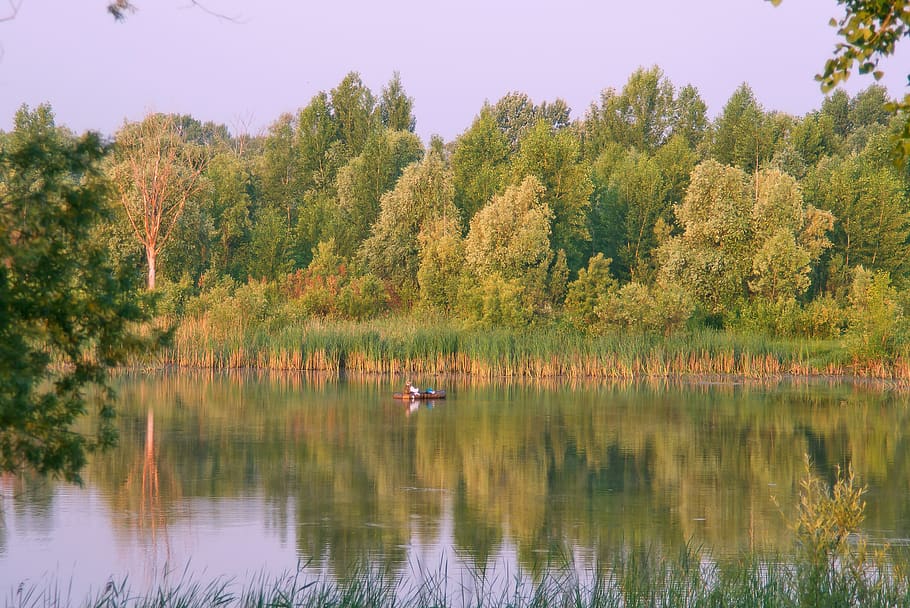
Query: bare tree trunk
152, 258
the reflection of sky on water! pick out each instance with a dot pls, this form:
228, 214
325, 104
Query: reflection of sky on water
80, 542
76, 544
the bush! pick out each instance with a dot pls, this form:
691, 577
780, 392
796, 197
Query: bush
172, 298
495, 302
641, 308
585, 291
876, 324
362, 298
778, 318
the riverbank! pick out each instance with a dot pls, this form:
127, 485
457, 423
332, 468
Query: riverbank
434, 347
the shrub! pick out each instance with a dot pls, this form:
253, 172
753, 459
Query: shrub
362, 298
876, 325
637, 307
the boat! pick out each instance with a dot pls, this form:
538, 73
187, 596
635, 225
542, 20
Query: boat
421, 395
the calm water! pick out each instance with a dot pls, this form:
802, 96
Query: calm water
236, 475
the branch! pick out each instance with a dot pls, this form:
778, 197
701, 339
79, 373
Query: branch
14, 7
205, 9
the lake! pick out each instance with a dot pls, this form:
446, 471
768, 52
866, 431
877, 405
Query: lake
243, 474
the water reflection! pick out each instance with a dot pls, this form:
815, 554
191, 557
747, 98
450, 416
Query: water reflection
340, 472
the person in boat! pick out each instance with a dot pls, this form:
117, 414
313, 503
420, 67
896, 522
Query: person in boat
411, 389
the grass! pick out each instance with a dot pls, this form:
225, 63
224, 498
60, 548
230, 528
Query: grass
400, 345
831, 567
636, 578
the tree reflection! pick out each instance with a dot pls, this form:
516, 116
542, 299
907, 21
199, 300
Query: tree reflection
538, 467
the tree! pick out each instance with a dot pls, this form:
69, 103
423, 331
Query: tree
155, 172
741, 134
690, 116
441, 263
873, 223
643, 115
479, 164
585, 292
711, 257
507, 250
646, 107
396, 109
354, 109
553, 157
65, 309
423, 194
362, 182
870, 30
788, 236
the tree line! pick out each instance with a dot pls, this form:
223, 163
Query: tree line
642, 214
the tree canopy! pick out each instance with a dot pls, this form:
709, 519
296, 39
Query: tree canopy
66, 310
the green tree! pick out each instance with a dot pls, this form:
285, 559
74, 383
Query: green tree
227, 195
741, 133
479, 164
712, 255
876, 328
508, 247
396, 108
631, 194
441, 264
354, 109
423, 194
643, 115
836, 106
646, 109
66, 311
553, 157
585, 292
362, 182
690, 116
868, 107
871, 207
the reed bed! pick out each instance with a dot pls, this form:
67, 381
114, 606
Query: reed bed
421, 347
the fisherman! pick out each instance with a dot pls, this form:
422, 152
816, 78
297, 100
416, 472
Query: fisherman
412, 390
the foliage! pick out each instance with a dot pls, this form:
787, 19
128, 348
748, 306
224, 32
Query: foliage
876, 328
67, 314
553, 157
870, 204
711, 256
441, 264
423, 194
742, 134
661, 309
508, 243
585, 291
362, 182
493, 300
395, 107
479, 164
787, 237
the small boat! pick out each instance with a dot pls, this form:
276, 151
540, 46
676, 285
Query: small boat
421, 395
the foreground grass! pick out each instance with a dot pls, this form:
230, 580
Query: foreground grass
831, 566
438, 346
640, 578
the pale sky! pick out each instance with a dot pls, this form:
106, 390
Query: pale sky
452, 55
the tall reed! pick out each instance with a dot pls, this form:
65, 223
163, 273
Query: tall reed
401, 345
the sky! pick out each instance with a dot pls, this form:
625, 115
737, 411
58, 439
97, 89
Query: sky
274, 55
